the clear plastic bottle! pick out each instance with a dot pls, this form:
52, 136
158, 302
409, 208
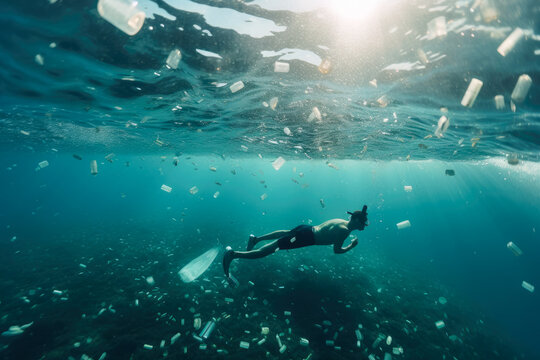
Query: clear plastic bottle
123, 14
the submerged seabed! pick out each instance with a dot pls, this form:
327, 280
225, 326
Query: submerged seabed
101, 273
83, 248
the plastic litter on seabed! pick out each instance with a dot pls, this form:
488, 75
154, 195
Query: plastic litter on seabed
472, 92
123, 14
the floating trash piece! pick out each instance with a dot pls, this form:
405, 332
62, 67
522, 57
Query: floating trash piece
278, 163
262, 341
282, 349
323, 205
39, 59
499, 102
287, 313
25, 132
213, 169
166, 188
304, 342
373, 82
216, 194
43, 164
442, 126
174, 59
281, 67
472, 92
175, 337
442, 300
13, 331
325, 66
273, 103
198, 266
193, 190
123, 14
383, 101
93, 167
239, 85
264, 196
315, 115
514, 248
403, 225
109, 157
75, 156
407, 188
510, 42
287, 131
197, 323
244, 344
512, 159
150, 280
439, 324
422, 56
329, 342
148, 347
527, 286
521, 89
265, 330
389, 340
436, 27
449, 172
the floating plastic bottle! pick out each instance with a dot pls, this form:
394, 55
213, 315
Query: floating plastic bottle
407, 188
166, 188
514, 248
442, 126
472, 92
244, 344
437, 27
315, 115
278, 163
198, 266
499, 102
439, 324
93, 167
237, 86
43, 164
508, 44
281, 67
304, 342
403, 225
174, 59
522, 88
123, 14
527, 286
207, 330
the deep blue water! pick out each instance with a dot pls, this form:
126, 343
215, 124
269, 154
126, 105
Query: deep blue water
95, 91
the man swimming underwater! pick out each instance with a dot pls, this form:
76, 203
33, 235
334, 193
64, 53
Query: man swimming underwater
331, 232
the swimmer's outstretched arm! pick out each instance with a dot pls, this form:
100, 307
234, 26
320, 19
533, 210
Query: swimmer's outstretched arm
338, 246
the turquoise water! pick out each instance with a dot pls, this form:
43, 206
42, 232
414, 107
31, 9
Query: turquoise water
78, 251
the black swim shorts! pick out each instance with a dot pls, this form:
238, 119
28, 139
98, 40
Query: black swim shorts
300, 236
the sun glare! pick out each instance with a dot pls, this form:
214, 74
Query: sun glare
352, 9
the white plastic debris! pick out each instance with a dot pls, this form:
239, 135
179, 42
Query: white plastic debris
174, 338
265, 330
239, 85
198, 266
282, 349
389, 340
514, 248
521, 89
273, 103
287, 131
315, 115
43, 164
527, 286
264, 196
262, 341
148, 347
244, 344
499, 102
508, 44
403, 225
216, 194
439, 324
436, 27
197, 322
407, 188
278, 339
287, 313
304, 342
93, 167
150, 280
39, 59
174, 58
383, 101
281, 67
193, 190
278, 163
472, 92
422, 56
442, 300
166, 188
442, 126
123, 14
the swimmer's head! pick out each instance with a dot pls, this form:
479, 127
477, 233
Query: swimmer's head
359, 218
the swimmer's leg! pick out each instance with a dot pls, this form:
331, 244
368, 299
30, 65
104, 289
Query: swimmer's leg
253, 240
265, 250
